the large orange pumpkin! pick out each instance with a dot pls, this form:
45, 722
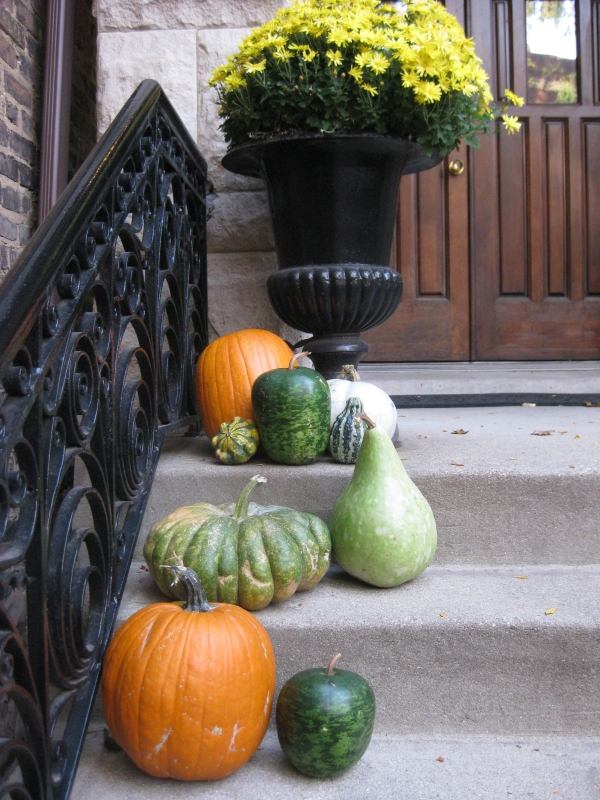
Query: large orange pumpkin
228, 367
188, 687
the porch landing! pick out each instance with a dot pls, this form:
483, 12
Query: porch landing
486, 377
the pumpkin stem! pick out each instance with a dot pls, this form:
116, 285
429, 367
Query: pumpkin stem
332, 663
350, 373
241, 507
366, 418
295, 357
196, 599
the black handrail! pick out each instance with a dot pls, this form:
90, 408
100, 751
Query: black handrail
101, 321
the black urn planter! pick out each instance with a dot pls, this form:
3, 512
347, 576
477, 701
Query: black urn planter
333, 202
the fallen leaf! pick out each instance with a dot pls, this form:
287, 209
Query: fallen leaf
460, 431
522, 577
550, 611
441, 759
577, 436
442, 615
542, 433
456, 464
529, 405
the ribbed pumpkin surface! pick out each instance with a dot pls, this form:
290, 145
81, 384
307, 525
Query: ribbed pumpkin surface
188, 694
227, 369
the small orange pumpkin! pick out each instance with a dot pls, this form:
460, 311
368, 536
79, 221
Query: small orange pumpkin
227, 369
188, 687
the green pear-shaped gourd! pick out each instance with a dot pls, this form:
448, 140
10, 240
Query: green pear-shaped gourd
382, 528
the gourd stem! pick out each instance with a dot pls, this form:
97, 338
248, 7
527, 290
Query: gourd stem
349, 372
368, 420
332, 663
196, 599
241, 507
295, 357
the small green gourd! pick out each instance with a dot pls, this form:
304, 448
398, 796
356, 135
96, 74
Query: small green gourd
236, 441
347, 432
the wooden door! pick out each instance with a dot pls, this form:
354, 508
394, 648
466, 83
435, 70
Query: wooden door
503, 260
535, 196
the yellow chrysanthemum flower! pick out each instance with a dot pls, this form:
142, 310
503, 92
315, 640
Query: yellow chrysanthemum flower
366, 87
513, 99
356, 73
281, 54
377, 62
427, 92
308, 54
334, 57
252, 67
234, 81
510, 124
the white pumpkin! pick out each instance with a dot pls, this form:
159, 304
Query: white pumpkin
377, 404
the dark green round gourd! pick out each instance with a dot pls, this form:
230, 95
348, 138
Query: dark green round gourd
292, 409
325, 719
243, 553
347, 432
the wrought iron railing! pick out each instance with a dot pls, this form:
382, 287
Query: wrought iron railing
101, 322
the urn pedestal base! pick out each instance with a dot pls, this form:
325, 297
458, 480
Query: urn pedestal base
334, 303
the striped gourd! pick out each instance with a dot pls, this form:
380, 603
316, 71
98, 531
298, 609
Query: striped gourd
236, 442
347, 432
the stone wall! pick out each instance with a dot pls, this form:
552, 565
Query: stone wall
178, 43
21, 82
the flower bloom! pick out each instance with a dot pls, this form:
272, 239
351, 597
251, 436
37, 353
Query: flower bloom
513, 99
334, 57
511, 124
254, 67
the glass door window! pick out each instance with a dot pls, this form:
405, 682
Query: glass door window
552, 52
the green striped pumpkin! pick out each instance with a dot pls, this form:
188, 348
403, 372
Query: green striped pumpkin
347, 432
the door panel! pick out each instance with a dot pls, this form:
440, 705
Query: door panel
431, 252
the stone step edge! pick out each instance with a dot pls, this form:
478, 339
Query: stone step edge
451, 767
191, 457
521, 596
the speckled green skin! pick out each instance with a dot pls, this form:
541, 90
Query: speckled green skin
325, 722
292, 409
264, 556
347, 433
382, 528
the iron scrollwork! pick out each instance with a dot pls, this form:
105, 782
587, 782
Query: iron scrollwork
99, 369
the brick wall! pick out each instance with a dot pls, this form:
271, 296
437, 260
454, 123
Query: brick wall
22, 29
21, 67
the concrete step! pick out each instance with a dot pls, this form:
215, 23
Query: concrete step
485, 669
490, 377
504, 650
428, 768
518, 485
